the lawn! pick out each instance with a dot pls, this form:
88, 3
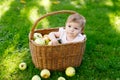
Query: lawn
101, 60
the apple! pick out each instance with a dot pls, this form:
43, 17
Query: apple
45, 73
46, 35
22, 66
61, 78
40, 41
37, 35
50, 43
46, 39
36, 77
70, 71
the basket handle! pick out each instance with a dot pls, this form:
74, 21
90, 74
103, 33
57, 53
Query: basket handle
48, 14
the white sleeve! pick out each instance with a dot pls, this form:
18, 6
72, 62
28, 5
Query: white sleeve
61, 31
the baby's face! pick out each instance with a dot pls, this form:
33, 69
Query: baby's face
72, 29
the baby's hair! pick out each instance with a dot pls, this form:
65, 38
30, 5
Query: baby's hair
77, 18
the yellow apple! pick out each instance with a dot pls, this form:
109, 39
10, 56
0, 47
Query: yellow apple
40, 41
70, 71
45, 73
37, 35
50, 43
36, 77
61, 78
46, 39
22, 66
46, 35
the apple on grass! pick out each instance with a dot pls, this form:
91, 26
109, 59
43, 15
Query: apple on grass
70, 71
36, 77
61, 78
45, 73
22, 66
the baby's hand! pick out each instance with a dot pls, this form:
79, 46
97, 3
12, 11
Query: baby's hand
55, 42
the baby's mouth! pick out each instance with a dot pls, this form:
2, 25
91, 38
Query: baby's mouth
70, 32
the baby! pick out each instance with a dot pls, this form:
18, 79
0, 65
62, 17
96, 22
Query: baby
72, 32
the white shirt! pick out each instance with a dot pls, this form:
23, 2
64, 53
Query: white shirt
80, 37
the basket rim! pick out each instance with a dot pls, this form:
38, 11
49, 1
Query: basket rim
58, 44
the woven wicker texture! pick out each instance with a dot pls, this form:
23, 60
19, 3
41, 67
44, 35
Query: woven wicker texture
57, 57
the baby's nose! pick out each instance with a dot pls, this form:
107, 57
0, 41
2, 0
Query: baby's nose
71, 29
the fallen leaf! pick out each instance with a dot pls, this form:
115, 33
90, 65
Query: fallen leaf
56, 2
23, 1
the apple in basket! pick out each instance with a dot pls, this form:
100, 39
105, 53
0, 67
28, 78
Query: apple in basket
36, 77
70, 71
61, 78
46, 39
50, 43
37, 35
40, 41
22, 66
45, 73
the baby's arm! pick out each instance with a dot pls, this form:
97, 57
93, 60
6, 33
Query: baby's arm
53, 37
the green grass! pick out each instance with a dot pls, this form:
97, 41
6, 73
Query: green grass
101, 58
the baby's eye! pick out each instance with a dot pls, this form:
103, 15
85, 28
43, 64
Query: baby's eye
76, 28
69, 26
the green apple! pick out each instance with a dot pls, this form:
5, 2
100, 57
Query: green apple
40, 41
50, 43
45, 73
37, 35
22, 66
70, 71
46, 35
61, 78
46, 39
36, 77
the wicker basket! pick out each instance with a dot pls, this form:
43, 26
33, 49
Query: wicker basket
57, 57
